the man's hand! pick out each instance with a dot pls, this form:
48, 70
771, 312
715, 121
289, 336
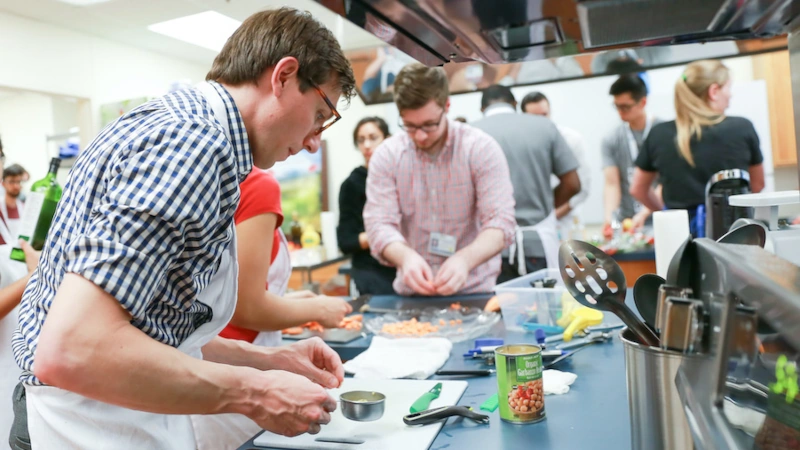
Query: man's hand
417, 274
31, 255
452, 275
312, 359
330, 310
288, 404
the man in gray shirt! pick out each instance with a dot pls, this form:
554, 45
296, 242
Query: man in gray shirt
620, 148
534, 149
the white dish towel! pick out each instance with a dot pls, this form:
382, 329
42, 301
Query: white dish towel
416, 358
557, 382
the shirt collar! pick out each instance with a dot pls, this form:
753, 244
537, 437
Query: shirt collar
241, 145
498, 108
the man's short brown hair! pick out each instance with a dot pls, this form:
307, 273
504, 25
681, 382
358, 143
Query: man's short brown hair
267, 36
417, 84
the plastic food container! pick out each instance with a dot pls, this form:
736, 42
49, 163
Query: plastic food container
526, 308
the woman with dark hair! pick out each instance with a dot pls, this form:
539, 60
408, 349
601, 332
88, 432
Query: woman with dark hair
370, 276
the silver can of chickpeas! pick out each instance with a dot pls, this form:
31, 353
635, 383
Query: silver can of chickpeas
519, 383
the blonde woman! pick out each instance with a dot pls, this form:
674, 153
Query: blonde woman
701, 141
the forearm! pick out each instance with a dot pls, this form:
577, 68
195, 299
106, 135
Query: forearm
489, 243
650, 200
266, 311
381, 236
11, 295
642, 215
563, 210
611, 200
240, 353
396, 252
561, 195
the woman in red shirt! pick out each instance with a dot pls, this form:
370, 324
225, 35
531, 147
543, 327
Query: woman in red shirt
261, 313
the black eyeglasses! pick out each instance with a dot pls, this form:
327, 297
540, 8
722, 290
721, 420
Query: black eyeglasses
336, 116
427, 128
624, 107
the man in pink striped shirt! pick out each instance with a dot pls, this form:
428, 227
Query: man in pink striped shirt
440, 206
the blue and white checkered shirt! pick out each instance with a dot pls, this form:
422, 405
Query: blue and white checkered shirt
146, 215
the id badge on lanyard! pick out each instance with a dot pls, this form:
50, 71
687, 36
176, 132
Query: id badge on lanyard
442, 244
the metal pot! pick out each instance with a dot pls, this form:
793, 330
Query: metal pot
362, 406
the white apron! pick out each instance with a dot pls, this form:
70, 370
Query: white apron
10, 271
548, 233
278, 276
230, 431
59, 419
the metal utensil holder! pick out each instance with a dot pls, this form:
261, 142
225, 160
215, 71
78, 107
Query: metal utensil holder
658, 421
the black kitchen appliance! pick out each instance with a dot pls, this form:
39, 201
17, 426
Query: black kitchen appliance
720, 215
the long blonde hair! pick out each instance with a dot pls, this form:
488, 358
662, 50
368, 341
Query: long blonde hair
691, 102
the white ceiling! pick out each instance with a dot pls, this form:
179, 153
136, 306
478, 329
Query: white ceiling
126, 21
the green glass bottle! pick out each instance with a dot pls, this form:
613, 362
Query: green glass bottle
40, 207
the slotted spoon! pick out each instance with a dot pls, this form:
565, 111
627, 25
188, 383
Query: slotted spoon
597, 281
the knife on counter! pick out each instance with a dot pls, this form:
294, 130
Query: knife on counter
424, 402
359, 302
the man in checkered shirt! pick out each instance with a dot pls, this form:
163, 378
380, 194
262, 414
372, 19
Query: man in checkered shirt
144, 227
440, 206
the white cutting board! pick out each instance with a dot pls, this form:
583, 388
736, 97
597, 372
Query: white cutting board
387, 433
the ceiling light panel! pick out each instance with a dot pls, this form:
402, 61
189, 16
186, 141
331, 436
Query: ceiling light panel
84, 2
208, 29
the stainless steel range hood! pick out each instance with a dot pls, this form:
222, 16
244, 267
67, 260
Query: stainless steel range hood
499, 31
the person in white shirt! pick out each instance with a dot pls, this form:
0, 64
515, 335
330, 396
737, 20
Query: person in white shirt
11, 205
537, 104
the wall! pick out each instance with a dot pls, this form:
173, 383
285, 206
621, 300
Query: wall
25, 121
583, 105
342, 155
55, 60
45, 58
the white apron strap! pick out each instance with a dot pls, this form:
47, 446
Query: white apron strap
280, 270
548, 233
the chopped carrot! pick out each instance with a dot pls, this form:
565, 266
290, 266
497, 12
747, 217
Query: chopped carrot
456, 305
293, 331
409, 328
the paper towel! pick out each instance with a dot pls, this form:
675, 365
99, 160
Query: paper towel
671, 229
328, 222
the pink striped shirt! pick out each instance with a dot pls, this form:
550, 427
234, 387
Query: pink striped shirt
462, 191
